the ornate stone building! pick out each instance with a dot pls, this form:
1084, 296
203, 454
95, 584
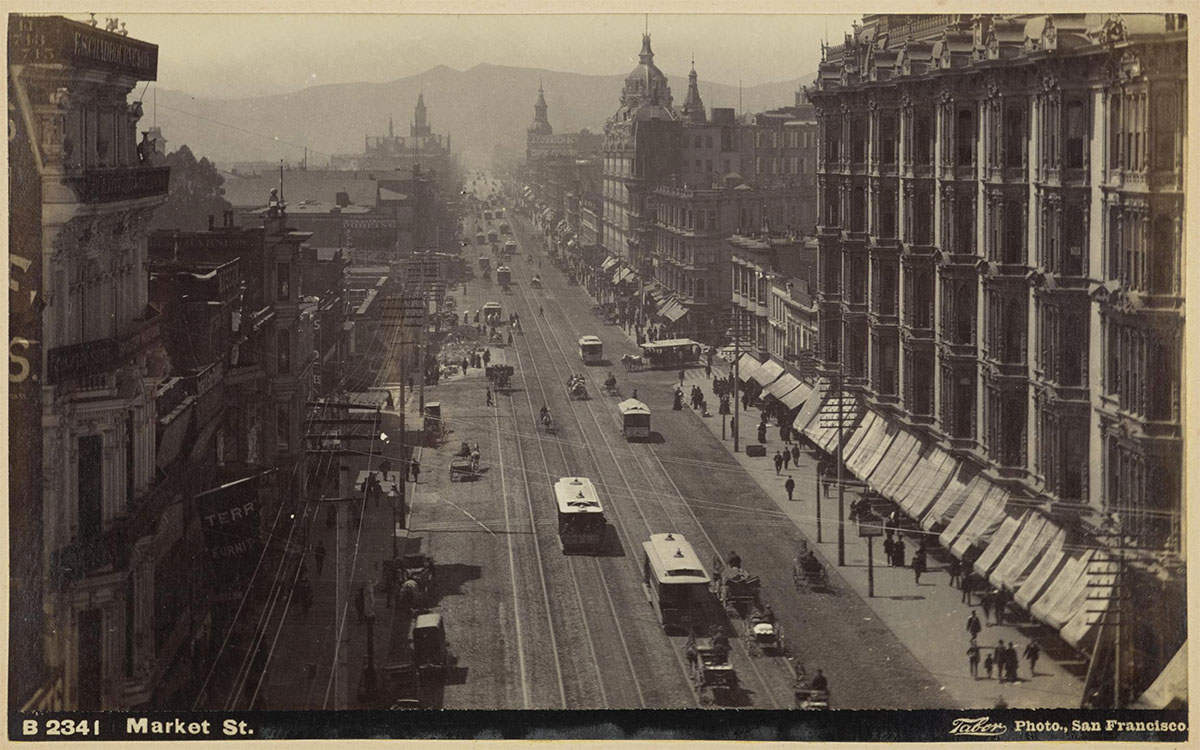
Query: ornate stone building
1001, 238
87, 521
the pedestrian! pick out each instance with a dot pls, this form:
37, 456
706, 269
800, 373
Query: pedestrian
783, 434
465, 364
985, 603
796, 453
787, 458
888, 553
1000, 601
510, 338
762, 435
489, 397
973, 626
1014, 662
790, 486
1031, 653
778, 463
385, 467
635, 394
918, 566
1001, 662
707, 370
953, 568
973, 659
319, 554
681, 378
416, 470
898, 549
360, 604
988, 663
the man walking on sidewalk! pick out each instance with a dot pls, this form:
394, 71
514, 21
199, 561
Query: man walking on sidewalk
319, 554
973, 626
416, 470
778, 463
973, 659
681, 378
1031, 653
796, 453
787, 458
953, 569
790, 486
489, 396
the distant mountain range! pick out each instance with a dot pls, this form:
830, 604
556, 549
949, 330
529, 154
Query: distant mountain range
483, 109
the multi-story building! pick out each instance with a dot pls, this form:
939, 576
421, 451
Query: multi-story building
757, 263
792, 315
392, 152
641, 150
1001, 238
88, 519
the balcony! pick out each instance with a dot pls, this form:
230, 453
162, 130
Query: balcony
110, 185
90, 358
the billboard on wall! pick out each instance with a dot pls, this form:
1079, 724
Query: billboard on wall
547, 146
230, 517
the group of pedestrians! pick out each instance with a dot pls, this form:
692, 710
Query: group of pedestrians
697, 398
787, 456
1003, 658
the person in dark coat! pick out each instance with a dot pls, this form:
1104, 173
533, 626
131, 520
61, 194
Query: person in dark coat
319, 555
899, 551
985, 603
888, 551
790, 486
973, 659
918, 565
415, 467
796, 454
1014, 662
953, 568
973, 626
1031, 653
778, 462
787, 458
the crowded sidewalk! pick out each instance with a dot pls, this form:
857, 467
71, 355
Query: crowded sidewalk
930, 617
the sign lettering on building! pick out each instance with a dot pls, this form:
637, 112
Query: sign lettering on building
232, 530
57, 40
546, 146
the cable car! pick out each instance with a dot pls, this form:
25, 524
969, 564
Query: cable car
591, 350
635, 419
581, 522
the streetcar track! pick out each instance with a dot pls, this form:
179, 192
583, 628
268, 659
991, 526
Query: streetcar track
695, 520
595, 564
624, 532
512, 567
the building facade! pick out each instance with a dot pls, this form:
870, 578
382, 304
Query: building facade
86, 503
1001, 236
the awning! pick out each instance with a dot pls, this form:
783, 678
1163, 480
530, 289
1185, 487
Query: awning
770, 370
964, 484
674, 311
812, 408
873, 444
1047, 565
747, 367
1090, 605
1053, 607
863, 441
922, 487
1024, 552
784, 384
971, 503
985, 524
796, 397
1169, 689
622, 275
609, 262
904, 450
999, 544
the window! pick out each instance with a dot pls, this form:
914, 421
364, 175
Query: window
965, 137
1115, 128
1162, 256
90, 466
1074, 239
283, 427
283, 350
1014, 137
283, 278
1164, 132
1074, 135
923, 141
887, 214
698, 142
858, 210
1014, 233
887, 145
708, 141
923, 218
858, 141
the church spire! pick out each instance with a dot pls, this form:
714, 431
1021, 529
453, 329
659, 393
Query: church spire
693, 105
420, 124
541, 122
646, 56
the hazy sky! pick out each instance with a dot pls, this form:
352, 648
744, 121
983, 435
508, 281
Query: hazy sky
233, 56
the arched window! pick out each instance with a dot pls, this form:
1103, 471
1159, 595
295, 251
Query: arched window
1014, 246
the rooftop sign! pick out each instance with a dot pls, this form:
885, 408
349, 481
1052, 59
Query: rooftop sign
45, 40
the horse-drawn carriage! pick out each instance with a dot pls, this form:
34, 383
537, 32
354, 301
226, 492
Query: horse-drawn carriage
610, 385
807, 572
738, 591
577, 387
410, 576
811, 695
464, 464
713, 677
536, 281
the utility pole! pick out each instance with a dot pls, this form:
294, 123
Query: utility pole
838, 421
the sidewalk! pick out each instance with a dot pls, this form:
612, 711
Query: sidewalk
929, 618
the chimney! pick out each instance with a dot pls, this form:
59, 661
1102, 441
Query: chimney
211, 219
343, 199
229, 219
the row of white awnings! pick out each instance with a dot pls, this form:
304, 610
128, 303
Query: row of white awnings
774, 380
788, 391
1048, 569
609, 262
672, 309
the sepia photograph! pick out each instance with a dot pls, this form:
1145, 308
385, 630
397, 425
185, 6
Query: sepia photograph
403, 374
